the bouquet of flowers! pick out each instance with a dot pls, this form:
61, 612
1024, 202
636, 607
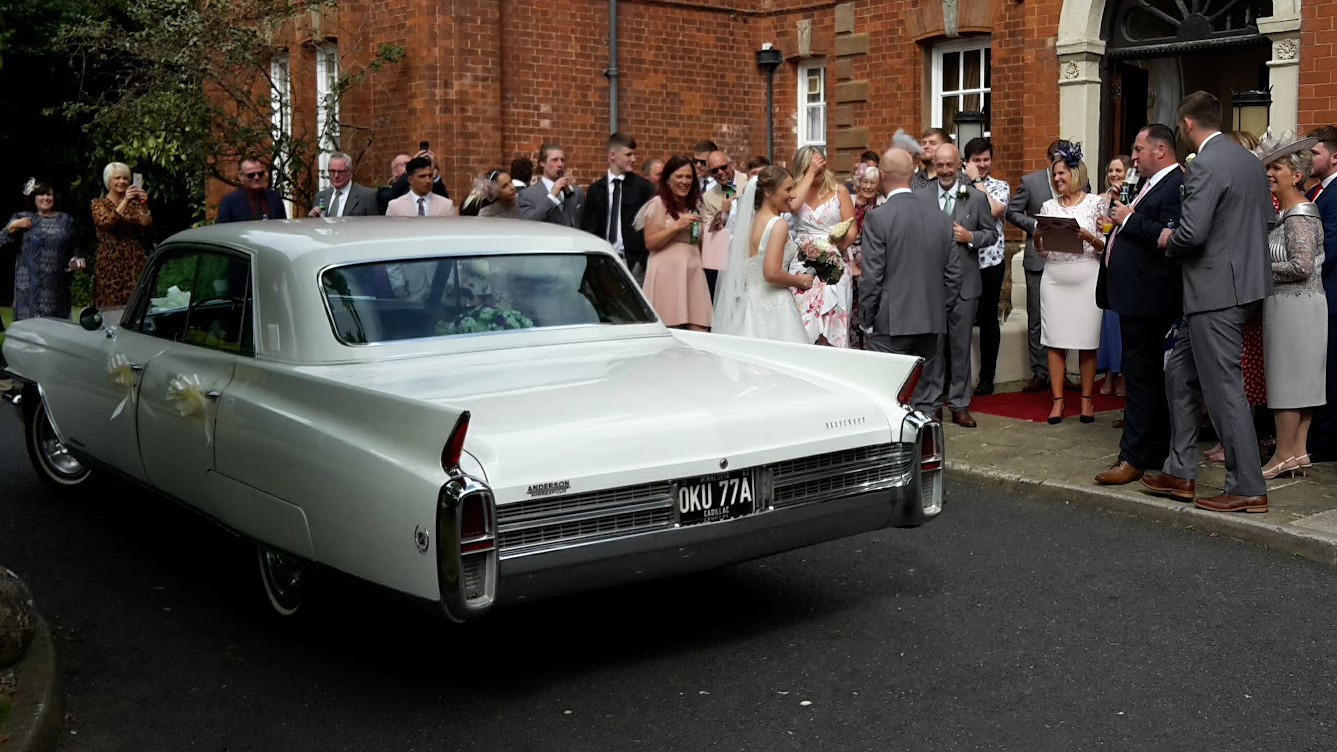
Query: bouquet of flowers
822, 259
485, 319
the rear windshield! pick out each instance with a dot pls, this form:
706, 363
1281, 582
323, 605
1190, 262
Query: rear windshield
456, 295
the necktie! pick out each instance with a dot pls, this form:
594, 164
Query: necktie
948, 203
615, 212
1109, 246
334, 205
422, 206
1315, 191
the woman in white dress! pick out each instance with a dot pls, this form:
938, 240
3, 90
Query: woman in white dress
752, 297
1069, 317
821, 203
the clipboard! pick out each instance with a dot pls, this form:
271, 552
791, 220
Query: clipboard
1058, 235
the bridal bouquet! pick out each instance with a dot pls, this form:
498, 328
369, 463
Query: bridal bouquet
824, 259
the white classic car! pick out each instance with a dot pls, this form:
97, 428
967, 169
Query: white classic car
471, 412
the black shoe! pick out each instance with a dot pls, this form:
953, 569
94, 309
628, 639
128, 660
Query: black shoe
1088, 418
985, 387
1059, 419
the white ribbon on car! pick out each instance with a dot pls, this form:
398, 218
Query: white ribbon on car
187, 395
118, 368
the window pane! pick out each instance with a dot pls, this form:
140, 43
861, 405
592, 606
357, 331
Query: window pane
974, 69
220, 302
951, 71
988, 113
950, 106
169, 297
972, 103
814, 85
988, 68
816, 133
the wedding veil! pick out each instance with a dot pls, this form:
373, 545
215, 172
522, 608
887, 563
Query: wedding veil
729, 303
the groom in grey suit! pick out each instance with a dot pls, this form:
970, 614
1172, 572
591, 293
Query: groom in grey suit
973, 228
902, 293
1221, 245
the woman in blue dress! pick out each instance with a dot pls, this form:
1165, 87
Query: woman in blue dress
48, 252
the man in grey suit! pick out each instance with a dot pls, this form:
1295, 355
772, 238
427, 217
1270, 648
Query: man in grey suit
972, 229
1221, 245
552, 198
1032, 192
902, 293
344, 198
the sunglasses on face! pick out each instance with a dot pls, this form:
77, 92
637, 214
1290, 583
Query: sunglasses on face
254, 175
721, 169
701, 162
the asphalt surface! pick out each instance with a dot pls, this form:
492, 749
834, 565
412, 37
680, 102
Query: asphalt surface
1010, 623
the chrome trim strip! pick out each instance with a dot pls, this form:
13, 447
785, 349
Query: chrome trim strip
532, 522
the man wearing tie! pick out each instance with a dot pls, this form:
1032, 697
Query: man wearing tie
972, 229
1323, 432
344, 198
902, 293
552, 199
612, 202
1221, 244
1143, 287
420, 201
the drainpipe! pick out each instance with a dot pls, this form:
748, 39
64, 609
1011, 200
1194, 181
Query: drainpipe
768, 59
611, 72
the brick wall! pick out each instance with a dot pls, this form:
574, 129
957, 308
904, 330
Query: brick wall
1318, 60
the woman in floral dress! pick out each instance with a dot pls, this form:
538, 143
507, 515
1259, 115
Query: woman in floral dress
120, 218
48, 252
820, 204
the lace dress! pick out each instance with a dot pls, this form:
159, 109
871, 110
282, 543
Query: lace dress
1069, 318
1295, 315
825, 308
768, 311
41, 279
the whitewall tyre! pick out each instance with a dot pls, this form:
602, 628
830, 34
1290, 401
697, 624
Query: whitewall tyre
49, 456
284, 583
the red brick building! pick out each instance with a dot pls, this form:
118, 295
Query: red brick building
486, 80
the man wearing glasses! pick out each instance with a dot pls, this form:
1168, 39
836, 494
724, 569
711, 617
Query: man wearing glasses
700, 156
254, 199
717, 212
344, 198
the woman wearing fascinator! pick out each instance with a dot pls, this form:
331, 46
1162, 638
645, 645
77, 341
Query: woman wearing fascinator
1295, 315
493, 195
48, 253
753, 297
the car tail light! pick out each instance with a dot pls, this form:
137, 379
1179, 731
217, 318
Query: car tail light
450, 455
930, 454
908, 388
475, 525
467, 560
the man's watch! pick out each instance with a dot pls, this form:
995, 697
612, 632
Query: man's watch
977, 180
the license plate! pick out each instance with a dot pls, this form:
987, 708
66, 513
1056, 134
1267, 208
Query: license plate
717, 497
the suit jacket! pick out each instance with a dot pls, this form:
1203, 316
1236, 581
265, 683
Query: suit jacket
533, 203
407, 206
1139, 279
234, 207
1327, 207
1032, 193
636, 190
713, 200
360, 202
974, 214
1221, 240
400, 186
906, 244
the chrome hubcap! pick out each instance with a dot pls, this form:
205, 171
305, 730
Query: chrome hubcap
57, 456
285, 577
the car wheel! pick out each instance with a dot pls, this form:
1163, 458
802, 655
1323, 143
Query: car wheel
50, 457
285, 582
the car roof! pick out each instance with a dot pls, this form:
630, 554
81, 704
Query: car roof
346, 239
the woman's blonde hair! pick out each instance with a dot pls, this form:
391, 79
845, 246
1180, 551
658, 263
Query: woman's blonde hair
111, 170
1078, 174
803, 158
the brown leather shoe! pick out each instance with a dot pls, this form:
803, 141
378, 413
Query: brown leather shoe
1119, 473
1231, 503
962, 418
1165, 484
1036, 384
1117, 423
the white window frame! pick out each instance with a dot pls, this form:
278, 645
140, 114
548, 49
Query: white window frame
964, 45
804, 137
327, 108
280, 105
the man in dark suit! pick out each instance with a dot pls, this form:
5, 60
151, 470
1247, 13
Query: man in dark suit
1032, 192
902, 293
972, 229
344, 198
399, 179
254, 199
553, 198
613, 200
1323, 431
1221, 244
1143, 287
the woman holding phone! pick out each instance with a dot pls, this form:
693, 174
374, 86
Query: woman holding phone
48, 252
120, 218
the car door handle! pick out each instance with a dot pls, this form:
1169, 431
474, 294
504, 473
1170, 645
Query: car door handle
136, 368
213, 395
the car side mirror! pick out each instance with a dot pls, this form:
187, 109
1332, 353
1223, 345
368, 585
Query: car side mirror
90, 319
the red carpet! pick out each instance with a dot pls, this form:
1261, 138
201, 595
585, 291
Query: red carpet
1034, 406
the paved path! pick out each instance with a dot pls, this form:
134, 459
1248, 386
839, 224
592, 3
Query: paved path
1010, 624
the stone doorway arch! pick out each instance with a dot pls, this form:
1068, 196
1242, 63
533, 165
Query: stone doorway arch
1080, 48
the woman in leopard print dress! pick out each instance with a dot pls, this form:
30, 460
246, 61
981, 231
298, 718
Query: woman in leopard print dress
120, 218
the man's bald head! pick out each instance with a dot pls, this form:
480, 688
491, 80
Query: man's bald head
946, 163
898, 166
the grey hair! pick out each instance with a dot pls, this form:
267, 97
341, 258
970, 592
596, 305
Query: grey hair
865, 171
903, 140
110, 171
340, 155
1300, 162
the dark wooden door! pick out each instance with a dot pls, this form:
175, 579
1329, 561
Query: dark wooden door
1128, 107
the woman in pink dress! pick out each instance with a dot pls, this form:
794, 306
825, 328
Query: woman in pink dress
675, 281
820, 203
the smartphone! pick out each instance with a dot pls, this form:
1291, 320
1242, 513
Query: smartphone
423, 146
137, 180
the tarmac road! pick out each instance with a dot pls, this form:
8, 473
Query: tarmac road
1010, 623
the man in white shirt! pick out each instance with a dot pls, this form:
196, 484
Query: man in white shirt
553, 198
612, 202
344, 198
979, 163
718, 209
420, 201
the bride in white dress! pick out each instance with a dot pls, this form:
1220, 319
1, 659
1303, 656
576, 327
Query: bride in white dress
754, 298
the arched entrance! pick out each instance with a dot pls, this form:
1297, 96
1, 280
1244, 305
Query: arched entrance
1123, 63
